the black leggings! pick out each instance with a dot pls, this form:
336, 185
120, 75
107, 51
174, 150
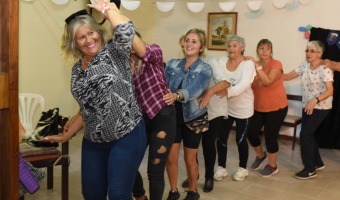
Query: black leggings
271, 122
216, 126
242, 127
161, 132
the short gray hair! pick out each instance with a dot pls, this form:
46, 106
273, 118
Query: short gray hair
237, 39
318, 44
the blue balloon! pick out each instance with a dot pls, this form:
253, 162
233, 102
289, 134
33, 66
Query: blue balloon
302, 29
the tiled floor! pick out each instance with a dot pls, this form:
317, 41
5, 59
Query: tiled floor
282, 186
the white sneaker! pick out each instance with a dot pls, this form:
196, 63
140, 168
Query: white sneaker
220, 173
240, 174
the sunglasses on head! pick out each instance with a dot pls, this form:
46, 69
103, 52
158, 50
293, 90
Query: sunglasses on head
75, 15
84, 12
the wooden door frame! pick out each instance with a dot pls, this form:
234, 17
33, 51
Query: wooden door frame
9, 150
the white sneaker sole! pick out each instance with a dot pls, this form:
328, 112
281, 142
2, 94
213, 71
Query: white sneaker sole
220, 178
241, 178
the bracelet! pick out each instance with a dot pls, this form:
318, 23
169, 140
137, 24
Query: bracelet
258, 68
104, 9
317, 99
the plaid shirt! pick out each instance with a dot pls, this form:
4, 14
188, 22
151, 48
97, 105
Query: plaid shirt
151, 83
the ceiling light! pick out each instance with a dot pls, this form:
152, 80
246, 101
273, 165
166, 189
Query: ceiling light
279, 3
254, 5
130, 5
165, 6
60, 2
195, 7
227, 6
304, 2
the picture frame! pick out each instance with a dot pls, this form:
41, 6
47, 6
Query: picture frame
220, 26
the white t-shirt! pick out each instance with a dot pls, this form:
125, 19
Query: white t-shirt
217, 106
240, 94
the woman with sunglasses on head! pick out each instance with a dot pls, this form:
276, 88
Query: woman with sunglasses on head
317, 97
114, 133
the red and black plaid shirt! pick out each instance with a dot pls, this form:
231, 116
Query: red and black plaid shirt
151, 83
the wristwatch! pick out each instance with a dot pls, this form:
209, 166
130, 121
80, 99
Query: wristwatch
178, 96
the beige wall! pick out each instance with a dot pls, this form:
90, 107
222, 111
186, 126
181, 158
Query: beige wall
42, 70
41, 67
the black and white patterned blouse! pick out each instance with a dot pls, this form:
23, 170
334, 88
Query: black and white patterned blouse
105, 91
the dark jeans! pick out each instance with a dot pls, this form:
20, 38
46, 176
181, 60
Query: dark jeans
242, 128
161, 131
271, 123
216, 126
109, 169
309, 148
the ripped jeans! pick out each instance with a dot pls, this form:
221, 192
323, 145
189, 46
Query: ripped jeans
161, 131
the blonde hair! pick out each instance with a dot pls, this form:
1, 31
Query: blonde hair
69, 49
203, 40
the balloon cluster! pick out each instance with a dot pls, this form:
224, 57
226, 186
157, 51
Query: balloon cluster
306, 30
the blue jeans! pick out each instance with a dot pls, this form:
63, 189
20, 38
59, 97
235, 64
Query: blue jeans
161, 131
109, 169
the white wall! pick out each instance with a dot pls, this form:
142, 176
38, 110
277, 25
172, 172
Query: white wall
41, 68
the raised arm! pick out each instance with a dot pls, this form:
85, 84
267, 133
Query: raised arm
110, 12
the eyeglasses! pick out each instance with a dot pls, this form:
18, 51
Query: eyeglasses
74, 15
311, 51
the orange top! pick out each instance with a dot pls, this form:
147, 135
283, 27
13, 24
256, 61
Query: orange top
273, 97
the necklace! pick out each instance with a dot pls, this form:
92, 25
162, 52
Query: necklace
85, 61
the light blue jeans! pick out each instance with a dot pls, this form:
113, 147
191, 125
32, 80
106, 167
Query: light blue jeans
109, 169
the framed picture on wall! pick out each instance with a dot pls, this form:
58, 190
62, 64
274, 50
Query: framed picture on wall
220, 25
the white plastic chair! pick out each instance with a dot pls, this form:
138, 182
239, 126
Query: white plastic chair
28, 105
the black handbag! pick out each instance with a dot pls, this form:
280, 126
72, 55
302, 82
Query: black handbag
47, 125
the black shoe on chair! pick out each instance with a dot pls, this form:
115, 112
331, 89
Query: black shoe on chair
208, 185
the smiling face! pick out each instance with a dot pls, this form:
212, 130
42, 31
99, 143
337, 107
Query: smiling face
88, 41
234, 49
192, 45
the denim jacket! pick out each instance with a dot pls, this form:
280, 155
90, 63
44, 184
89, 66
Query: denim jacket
194, 82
